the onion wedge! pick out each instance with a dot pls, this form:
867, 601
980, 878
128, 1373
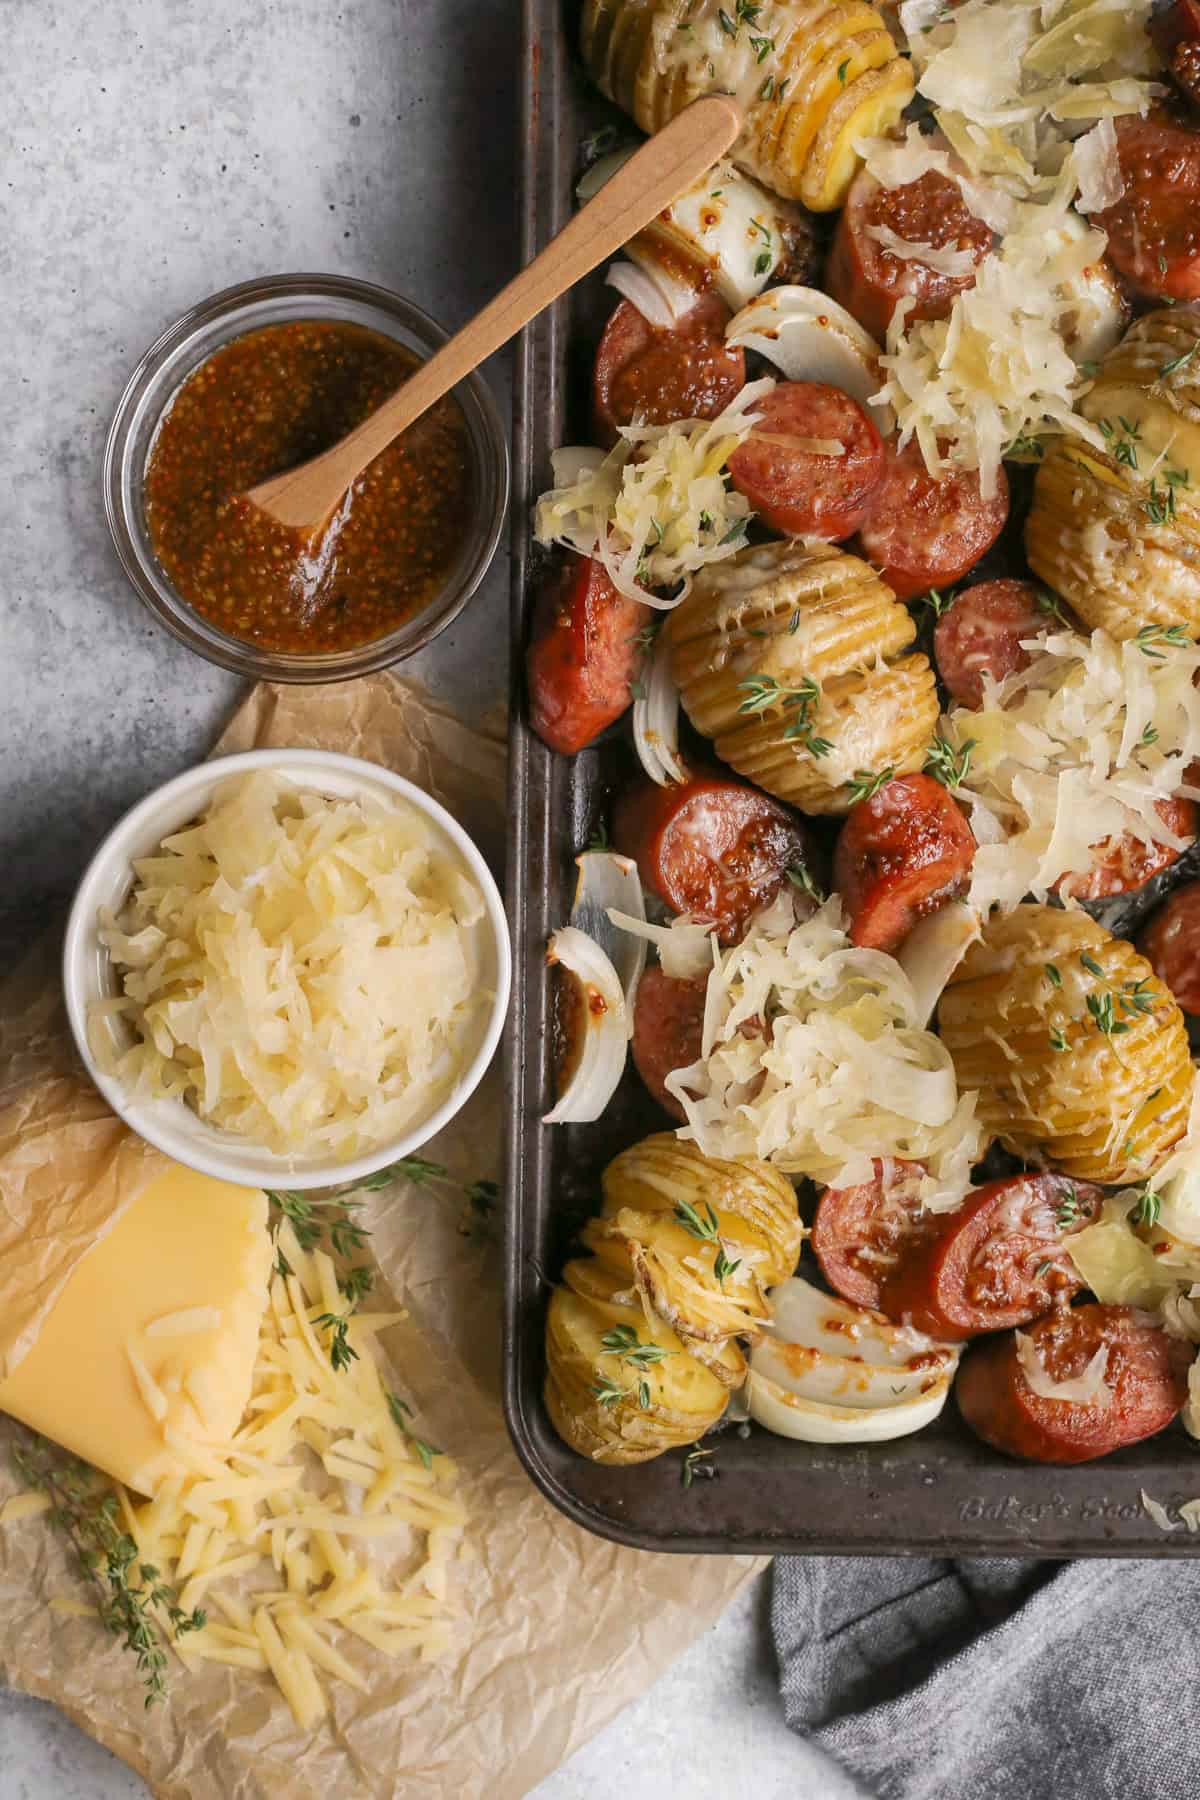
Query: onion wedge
811, 1422
597, 1060
661, 298
809, 337
656, 721
834, 1373
610, 883
803, 1314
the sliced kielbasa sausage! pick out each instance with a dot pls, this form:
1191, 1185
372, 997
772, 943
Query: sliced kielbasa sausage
984, 632
926, 531
655, 375
1121, 864
1171, 945
899, 856
999, 1261
1154, 228
812, 461
1175, 30
868, 278
715, 849
583, 654
668, 1023
1145, 1382
860, 1234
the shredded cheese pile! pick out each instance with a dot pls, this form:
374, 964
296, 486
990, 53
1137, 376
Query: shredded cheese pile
1075, 749
325, 1524
658, 506
304, 971
814, 1059
1011, 87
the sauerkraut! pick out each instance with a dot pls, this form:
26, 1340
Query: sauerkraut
1077, 748
1012, 88
814, 1059
658, 506
304, 972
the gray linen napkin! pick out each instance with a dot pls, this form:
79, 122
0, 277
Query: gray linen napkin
1001, 1680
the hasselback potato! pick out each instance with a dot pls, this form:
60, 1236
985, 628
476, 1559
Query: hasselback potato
642, 1338
614, 1409
813, 78
1079, 1053
791, 658
1117, 531
663, 1170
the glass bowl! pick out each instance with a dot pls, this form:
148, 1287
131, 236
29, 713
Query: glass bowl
274, 300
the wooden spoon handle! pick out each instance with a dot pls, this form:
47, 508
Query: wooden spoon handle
662, 169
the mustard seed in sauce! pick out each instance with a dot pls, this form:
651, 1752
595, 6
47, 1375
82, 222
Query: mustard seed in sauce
262, 404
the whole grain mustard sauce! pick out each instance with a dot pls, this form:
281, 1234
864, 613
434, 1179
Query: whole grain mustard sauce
262, 404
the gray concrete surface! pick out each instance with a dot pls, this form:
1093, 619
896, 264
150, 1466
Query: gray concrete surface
152, 152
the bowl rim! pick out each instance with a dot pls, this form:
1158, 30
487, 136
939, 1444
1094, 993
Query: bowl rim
151, 1119
490, 455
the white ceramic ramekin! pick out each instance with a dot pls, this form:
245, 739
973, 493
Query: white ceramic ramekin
170, 1125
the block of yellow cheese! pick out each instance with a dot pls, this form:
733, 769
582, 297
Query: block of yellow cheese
152, 1343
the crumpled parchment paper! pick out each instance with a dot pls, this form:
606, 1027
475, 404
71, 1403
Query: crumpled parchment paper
559, 1630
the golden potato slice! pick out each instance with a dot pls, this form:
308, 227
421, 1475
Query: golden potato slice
782, 655
664, 1171
832, 74
677, 1272
606, 1398
1101, 1104
1117, 532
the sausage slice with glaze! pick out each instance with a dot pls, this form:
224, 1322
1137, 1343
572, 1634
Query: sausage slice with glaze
1144, 1385
997, 1262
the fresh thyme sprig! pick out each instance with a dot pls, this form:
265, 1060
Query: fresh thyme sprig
1151, 636
948, 765
331, 1218
765, 692
1067, 1212
129, 1593
1149, 1205
708, 1230
1178, 362
800, 876
623, 1343
402, 1412
341, 1351
866, 784
693, 1466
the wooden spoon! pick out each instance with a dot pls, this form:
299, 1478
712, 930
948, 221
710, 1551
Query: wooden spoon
664, 167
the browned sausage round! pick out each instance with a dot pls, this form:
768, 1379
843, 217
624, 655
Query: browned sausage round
1175, 30
868, 279
1124, 863
794, 482
1154, 228
860, 1234
999, 1261
984, 633
926, 531
1171, 945
1145, 1371
715, 849
668, 1020
583, 654
658, 376
900, 855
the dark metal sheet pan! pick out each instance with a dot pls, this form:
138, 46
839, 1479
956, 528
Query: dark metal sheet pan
940, 1491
